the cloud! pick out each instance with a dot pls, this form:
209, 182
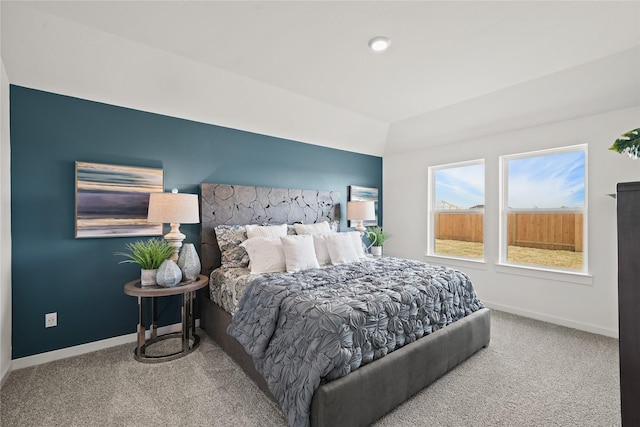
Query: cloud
551, 181
462, 186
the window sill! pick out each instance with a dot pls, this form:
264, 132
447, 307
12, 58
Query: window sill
578, 278
478, 264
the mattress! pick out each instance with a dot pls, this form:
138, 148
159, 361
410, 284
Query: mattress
227, 285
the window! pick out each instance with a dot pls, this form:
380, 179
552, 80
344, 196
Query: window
544, 209
456, 220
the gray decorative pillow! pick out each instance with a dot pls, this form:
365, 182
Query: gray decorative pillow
229, 238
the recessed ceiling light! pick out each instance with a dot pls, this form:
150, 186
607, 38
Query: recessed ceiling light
378, 44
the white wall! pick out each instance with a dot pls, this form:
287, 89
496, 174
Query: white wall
5, 228
591, 307
42, 51
564, 95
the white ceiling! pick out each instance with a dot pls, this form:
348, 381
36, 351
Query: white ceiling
444, 56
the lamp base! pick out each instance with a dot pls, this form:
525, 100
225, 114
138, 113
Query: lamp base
175, 239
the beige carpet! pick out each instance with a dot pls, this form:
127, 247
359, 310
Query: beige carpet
532, 374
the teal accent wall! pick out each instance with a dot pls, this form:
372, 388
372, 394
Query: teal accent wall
80, 279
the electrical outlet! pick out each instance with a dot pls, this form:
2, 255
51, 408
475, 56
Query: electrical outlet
50, 320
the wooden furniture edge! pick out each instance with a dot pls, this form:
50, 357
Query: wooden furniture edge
159, 291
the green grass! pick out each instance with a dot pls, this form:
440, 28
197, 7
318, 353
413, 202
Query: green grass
516, 254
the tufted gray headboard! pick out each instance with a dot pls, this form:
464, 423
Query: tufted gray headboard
240, 205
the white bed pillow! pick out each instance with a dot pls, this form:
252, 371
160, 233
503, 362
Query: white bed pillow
317, 228
320, 246
341, 248
299, 253
265, 255
269, 231
358, 244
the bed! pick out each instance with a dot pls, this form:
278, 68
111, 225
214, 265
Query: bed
364, 394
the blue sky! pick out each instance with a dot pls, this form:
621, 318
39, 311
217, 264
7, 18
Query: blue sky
462, 186
551, 181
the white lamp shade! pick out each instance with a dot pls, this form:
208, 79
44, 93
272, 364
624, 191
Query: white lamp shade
361, 211
173, 208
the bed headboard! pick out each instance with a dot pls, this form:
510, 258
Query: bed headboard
240, 205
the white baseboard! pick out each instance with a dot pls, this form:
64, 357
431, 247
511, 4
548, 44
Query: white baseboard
613, 333
6, 373
50, 356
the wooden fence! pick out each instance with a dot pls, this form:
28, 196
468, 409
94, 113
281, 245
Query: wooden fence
467, 227
554, 230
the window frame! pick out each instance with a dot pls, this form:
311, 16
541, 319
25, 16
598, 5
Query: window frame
432, 210
505, 210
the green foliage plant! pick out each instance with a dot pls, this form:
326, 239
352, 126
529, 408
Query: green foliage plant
149, 254
628, 143
377, 236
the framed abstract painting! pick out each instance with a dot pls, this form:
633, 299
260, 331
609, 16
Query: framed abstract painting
112, 201
365, 194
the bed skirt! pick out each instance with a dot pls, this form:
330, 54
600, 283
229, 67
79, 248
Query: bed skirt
368, 393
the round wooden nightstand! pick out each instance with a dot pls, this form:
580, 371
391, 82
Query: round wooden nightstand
190, 340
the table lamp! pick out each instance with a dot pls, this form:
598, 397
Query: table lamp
173, 208
360, 211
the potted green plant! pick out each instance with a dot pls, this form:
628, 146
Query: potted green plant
377, 237
628, 143
149, 255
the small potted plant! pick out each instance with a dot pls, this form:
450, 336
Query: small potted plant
377, 238
149, 254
